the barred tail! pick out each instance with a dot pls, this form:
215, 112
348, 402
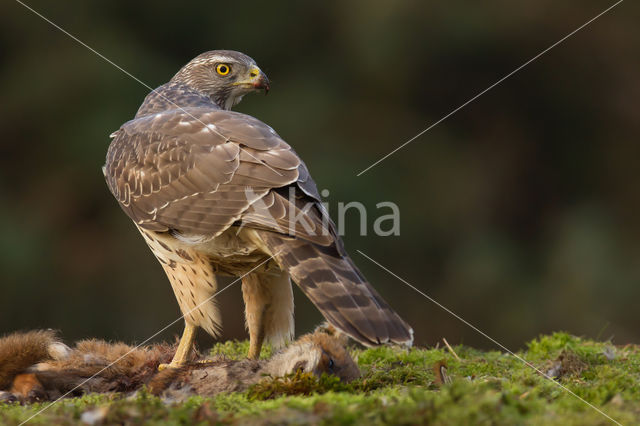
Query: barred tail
335, 285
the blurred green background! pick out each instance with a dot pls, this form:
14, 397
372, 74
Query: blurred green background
521, 212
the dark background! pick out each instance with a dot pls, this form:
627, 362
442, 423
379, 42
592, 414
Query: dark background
520, 212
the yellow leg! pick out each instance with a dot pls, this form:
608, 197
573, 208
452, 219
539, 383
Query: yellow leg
268, 304
256, 335
184, 348
255, 299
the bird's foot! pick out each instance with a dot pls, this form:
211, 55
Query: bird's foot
170, 365
199, 363
183, 350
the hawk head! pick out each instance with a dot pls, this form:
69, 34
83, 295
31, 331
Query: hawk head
223, 75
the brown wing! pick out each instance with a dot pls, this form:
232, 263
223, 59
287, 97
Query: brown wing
199, 171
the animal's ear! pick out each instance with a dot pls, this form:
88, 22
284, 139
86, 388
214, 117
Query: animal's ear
329, 329
300, 366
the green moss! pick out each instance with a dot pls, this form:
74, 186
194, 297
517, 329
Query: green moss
234, 349
399, 386
294, 384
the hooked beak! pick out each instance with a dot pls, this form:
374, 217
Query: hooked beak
257, 80
262, 82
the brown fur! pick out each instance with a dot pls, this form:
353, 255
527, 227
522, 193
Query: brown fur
163, 379
18, 351
98, 366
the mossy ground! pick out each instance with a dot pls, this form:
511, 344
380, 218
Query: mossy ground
401, 387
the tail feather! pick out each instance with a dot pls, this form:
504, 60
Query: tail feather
337, 288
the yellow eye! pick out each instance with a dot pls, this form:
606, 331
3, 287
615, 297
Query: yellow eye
223, 69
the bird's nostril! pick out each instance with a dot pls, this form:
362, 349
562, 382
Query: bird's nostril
253, 74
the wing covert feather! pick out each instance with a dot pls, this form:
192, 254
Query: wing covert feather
199, 171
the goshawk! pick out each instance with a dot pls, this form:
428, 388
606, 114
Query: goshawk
214, 191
